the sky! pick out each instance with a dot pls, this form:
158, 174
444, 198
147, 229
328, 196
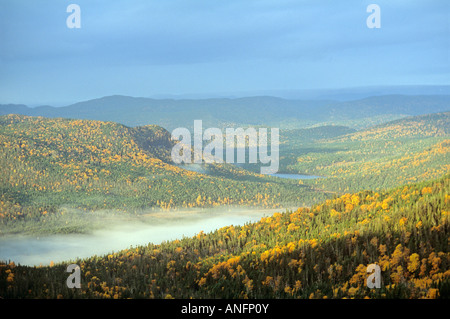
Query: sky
148, 48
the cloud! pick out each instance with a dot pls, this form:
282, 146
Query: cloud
217, 46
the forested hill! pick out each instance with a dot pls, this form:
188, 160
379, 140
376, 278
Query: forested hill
427, 125
91, 165
224, 112
322, 252
402, 151
303, 136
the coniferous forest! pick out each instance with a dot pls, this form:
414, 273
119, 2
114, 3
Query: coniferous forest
317, 252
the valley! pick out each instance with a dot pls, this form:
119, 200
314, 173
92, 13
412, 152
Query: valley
55, 164
108, 196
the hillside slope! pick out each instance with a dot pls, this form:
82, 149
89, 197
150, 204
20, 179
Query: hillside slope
313, 134
427, 125
48, 164
402, 151
308, 253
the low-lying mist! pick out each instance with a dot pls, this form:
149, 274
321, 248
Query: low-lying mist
119, 231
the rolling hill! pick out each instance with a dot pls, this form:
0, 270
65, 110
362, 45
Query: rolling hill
402, 151
313, 134
422, 126
50, 164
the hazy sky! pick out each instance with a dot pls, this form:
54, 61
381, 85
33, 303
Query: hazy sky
149, 47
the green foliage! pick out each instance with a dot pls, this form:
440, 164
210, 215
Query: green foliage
403, 151
308, 253
48, 164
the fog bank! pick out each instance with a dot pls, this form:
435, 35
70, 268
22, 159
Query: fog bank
149, 228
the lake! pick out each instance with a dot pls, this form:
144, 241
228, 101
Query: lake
155, 228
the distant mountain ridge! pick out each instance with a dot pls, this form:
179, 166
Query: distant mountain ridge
224, 112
